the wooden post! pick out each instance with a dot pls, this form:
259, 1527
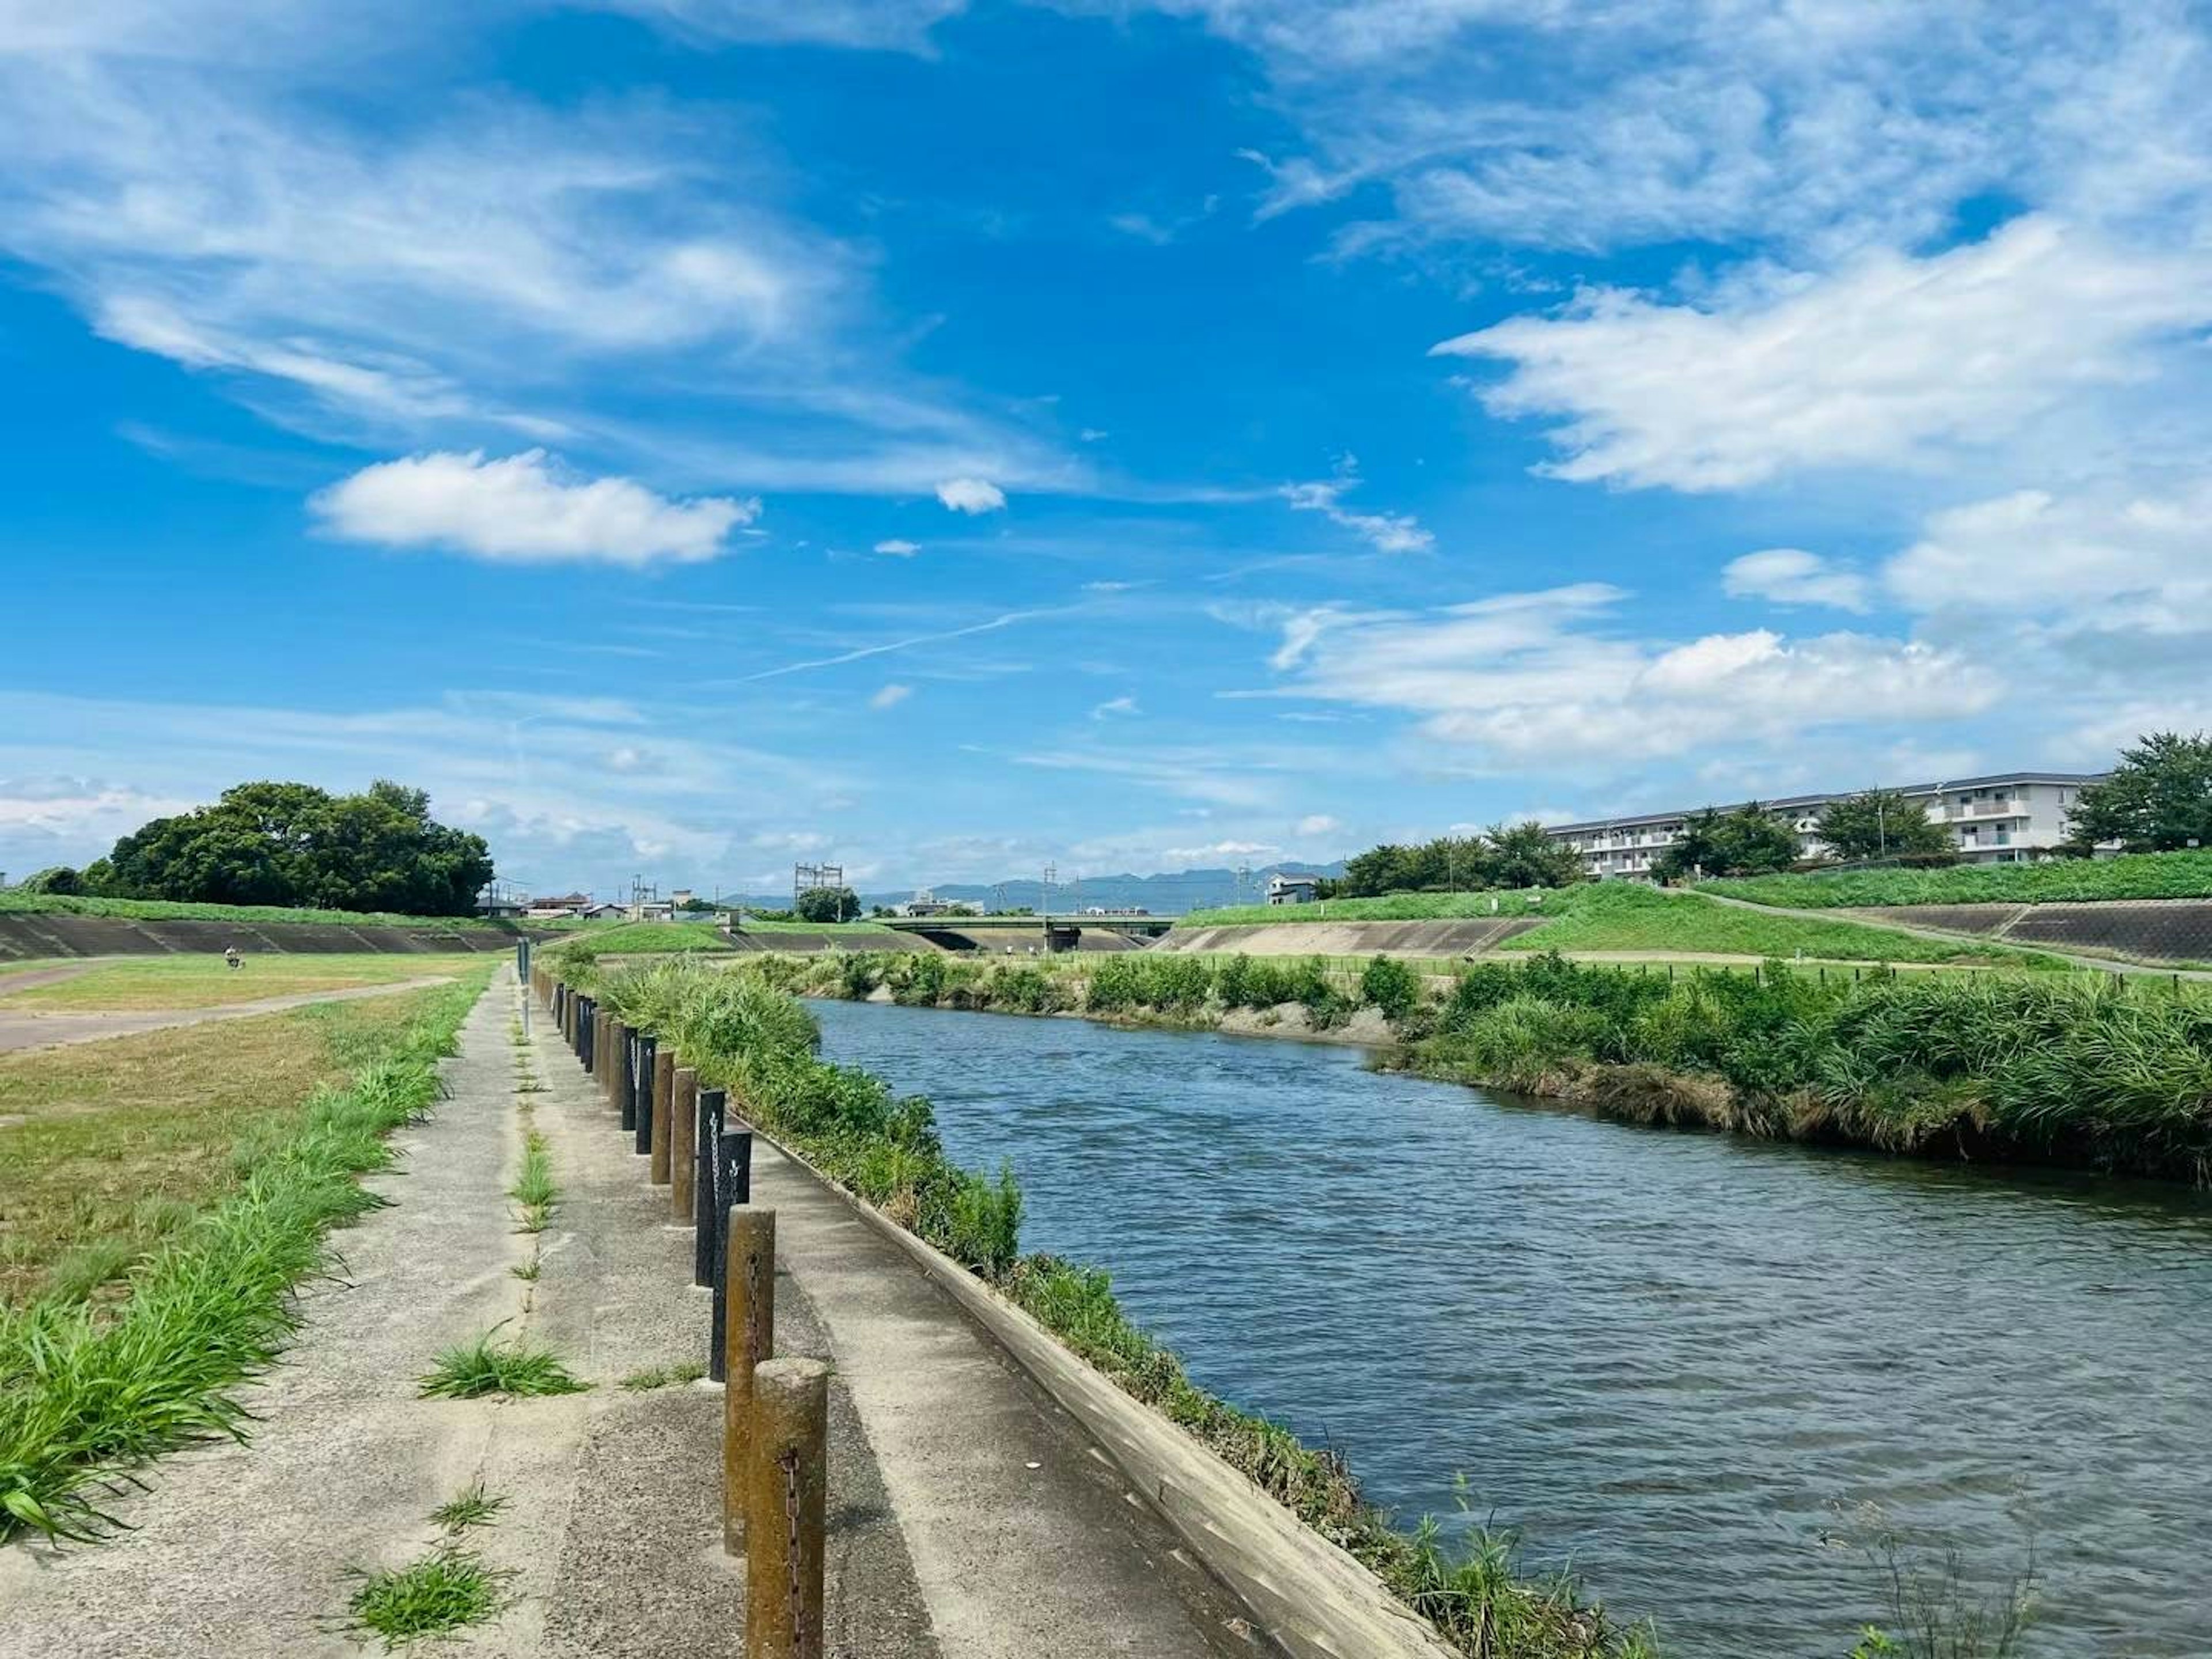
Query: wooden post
733, 1186
787, 1499
749, 1270
683, 1124
708, 1130
664, 1088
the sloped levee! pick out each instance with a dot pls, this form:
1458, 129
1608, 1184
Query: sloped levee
2153, 930
24, 936
1353, 938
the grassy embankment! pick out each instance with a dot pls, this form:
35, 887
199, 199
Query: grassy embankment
1628, 918
162, 1194
655, 938
743, 1034
20, 903
205, 982
2133, 876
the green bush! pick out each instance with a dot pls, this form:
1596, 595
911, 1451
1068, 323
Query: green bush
1389, 985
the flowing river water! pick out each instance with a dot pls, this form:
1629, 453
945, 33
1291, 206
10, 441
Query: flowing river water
1706, 1370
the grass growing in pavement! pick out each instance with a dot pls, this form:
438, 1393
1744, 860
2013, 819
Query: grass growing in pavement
472, 1508
107, 1150
470, 1371
535, 1189
661, 1377
90, 1392
204, 981
527, 1271
447, 1590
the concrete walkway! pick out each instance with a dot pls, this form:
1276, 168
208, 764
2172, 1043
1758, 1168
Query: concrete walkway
1027, 1541
20, 1029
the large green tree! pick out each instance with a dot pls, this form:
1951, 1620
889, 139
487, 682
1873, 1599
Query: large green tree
293, 844
827, 904
2159, 798
1516, 855
1880, 823
1747, 842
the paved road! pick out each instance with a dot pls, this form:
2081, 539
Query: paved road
22, 1029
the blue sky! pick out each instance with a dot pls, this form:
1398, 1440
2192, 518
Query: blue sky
689, 435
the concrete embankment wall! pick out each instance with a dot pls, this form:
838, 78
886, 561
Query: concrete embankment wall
25, 936
2156, 930
1353, 938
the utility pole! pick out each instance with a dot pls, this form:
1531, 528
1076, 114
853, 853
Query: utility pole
1243, 877
1044, 898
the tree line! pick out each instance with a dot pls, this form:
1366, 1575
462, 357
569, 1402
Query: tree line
2157, 799
294, 845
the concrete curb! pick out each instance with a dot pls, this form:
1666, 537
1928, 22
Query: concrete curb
1310, 1597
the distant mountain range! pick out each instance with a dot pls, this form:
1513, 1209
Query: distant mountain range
1162, 895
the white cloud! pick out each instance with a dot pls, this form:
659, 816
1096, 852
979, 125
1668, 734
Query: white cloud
971, 495
897, 548
1820, 126
1791, 575
524, 509
1892, 361
1319, 823
2141, 563
890, 696
1114, 706
1535, 679
892, 25
1386, 532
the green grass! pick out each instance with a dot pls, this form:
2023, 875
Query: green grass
1392, 907
535, 1188
874, 930
652, 937
202, 980
2133, 876
472, 1371
13, 902
472, 1508
445, 1591
1626, 916
1629, 917
528, 1271
662, 1377
89, 1393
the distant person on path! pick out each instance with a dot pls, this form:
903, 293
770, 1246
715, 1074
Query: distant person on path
230, 956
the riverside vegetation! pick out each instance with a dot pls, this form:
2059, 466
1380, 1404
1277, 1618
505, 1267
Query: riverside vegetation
2086, 1070
741, 1031
91, 1387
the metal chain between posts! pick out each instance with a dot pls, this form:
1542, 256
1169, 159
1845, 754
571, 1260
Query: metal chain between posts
802, 1638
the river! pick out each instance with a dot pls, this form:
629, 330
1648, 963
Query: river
1706, 1370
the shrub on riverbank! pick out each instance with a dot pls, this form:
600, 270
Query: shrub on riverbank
739, 1031
2079, 1069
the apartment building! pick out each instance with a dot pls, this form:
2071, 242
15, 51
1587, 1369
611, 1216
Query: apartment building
2008, 817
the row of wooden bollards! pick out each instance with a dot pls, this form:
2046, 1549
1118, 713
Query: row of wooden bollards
774, 1411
